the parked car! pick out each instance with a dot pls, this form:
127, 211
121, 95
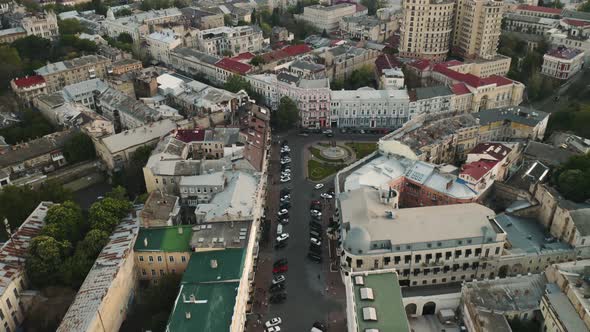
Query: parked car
280, 269
273, 322
326, 196
315, 241
273, 329
279, 262
315, 234
285, 197
315, 249
319, 186
314, 257
283, 212
316, 213
315, 225
283, 237
285, 179
285, 191
276, 288
285, 205
285, 142
279, 229
278, 279
284, 221
316, 202
327, 131
278, 298
285, 161
320, 326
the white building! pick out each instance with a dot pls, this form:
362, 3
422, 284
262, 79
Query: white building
326, 17
369, 108
392, 78
160, 43
562, 62
435, 99
41, 25
230, 40
139, 25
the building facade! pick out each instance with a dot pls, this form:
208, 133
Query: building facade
326, 17
160, 43
59, 74
41, 25
230, 40
477, 28
562, 63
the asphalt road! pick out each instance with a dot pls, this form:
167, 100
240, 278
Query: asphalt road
311, 288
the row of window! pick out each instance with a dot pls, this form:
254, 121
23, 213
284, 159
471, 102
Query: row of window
160, 259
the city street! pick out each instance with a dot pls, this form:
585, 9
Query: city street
313, 292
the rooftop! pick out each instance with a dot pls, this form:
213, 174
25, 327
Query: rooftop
115, 99
563, 52
202, 268
380, 291
548, 154
13, 252
581, 218
522, 293
470, 79
491, 150
527, 236
217, 235
138, 136
234, 66
165, 239
564, 309
158, 209
519, 114
432, 92
478, 169
57, 67
330, 8
28, 81
192, 53
99, 280
288, 51
370, 223
575, 14
555, 11
47, 144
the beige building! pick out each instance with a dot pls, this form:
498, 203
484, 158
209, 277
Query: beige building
124, 66
59, 74
160, 43
477, 28
341, 61
426, 29
41, 25
326, 17
160, 210
28, 88
7, 36
13, 282
367, 28
102, 302
230, 40
562, 62
116, 150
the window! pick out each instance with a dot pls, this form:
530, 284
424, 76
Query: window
143, 273
151, 258
153, 272
161, 272
8, 304
15, 291
159, 258
183, 259
171, 258
1, 315
141, 258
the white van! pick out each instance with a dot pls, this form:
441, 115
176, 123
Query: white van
279, 229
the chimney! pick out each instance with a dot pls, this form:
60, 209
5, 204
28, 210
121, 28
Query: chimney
145, 242
187, 315
180, 230
213, 263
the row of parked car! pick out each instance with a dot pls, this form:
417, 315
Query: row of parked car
285, 162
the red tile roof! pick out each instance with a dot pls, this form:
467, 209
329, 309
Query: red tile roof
548, 10
495, 150
387, 61
576, 23
190, 135
451, 63
460, 89
233, 66
243, 56
28, 81
471, 79
478, 169
563, 52
420, 64
289, 51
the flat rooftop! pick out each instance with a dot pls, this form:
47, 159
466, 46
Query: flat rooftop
158, 208
564, 309
368, 224
217, 235
138, 136
164, 239
381, 293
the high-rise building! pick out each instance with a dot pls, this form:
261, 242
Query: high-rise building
426, 29
477, 28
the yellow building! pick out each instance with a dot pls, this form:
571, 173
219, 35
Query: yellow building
477, 28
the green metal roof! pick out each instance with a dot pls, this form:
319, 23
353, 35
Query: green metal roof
387, 301
214, 288
166, 239
214, 315
230, 263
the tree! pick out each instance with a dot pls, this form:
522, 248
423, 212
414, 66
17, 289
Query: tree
373, 5
106, 214
64, 222
10, 65
227, 53
287, 115
74, 269
70, 26
32, 125
257, 61
227, 20
573, 184
123, 12
44, 260
236, 83
79, 148
125, 38
585, 7
93, 243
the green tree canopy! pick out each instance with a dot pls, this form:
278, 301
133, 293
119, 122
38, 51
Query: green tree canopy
125, 38
33, 47
79, 148
359, 78
585, 7
106, 214
93, 242
573, 178
64, 222
44, 260
123, 12
257, 60
287, 115
10, 65
373, 5
70, 26
33, 125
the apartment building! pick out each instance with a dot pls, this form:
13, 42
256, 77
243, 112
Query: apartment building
28, 88
160, 43
369, 108
230, 40
430, 100
123, 66
193, 62
257, 132
311, 96
392, 78
427, 245
140, 25
539, 11
366, 28
341, 61
562, 63
486, 163
7, 36
201, 18
41, 25
426, 29
59, 74
13, 282
477, 28
529, 24
504, 124
326, 17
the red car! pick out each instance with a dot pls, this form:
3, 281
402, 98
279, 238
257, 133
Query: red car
280, 269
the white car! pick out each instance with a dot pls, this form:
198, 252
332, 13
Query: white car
286, 148
326, 196
285, 198
274, 329
287, 170
283, 237
319, 186
285, 174
315, 213
285, 161
315, 241
285, 179
274, 322
283, 212
278, 279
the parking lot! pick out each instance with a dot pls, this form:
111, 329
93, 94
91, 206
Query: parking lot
314, 293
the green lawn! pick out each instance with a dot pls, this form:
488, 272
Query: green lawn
362, 149
317, 170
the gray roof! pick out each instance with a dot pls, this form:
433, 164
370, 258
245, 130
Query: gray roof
52, 100
367, 21
526, 235
56, 67
36, 148
138, 136
306, 65
123, 103
519, 114
546, 153
6, 32
84, 87
566, 312
193, 53
577, 15
433, 91
581, 219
